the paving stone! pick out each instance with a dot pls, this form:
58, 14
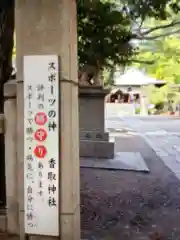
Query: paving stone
132, 161
168, 152
160, 138
117, 196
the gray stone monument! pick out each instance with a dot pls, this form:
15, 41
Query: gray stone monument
94, 141
96, 151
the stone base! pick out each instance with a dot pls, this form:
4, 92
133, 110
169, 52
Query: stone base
96, 144
96, 149
127, 161
94, 136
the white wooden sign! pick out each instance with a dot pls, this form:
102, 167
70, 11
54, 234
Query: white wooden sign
41, 145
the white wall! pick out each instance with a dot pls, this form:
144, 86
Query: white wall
116, 110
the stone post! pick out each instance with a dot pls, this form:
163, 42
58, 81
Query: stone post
143, 104
42, 28
94, 141
11, 156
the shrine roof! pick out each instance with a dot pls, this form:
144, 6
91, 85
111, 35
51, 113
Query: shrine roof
134, 77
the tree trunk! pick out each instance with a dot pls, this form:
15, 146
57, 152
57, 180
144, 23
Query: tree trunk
6, 48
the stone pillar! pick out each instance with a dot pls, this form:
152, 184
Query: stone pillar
11, 156
143, 104
49, 27
94, 141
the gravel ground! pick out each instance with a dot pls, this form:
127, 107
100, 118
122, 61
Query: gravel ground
130, 205
121, 205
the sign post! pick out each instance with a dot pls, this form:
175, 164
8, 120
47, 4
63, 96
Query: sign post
48, 203
41, 145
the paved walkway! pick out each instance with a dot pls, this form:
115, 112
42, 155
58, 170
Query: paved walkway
130, 205
162, 136
167, 147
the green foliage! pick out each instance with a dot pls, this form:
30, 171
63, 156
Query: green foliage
104, 34
166, 54
105, 28
152, 8
108, 77
138, 111
166, 59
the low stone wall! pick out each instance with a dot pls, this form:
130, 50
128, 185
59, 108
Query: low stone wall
117, 109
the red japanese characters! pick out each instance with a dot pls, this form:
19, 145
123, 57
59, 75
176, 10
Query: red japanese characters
41, 118
40, 151
41, 146
40, 135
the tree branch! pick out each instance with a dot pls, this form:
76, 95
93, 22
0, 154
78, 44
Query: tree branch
158, 36
143, 35
172, 24
141, 61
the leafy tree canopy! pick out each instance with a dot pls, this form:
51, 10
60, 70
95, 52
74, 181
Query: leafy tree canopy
165, 55
107, 28
104, 35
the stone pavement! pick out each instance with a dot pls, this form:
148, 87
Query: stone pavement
131, 205
128, 161
167, 147
163, 136
151, 123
